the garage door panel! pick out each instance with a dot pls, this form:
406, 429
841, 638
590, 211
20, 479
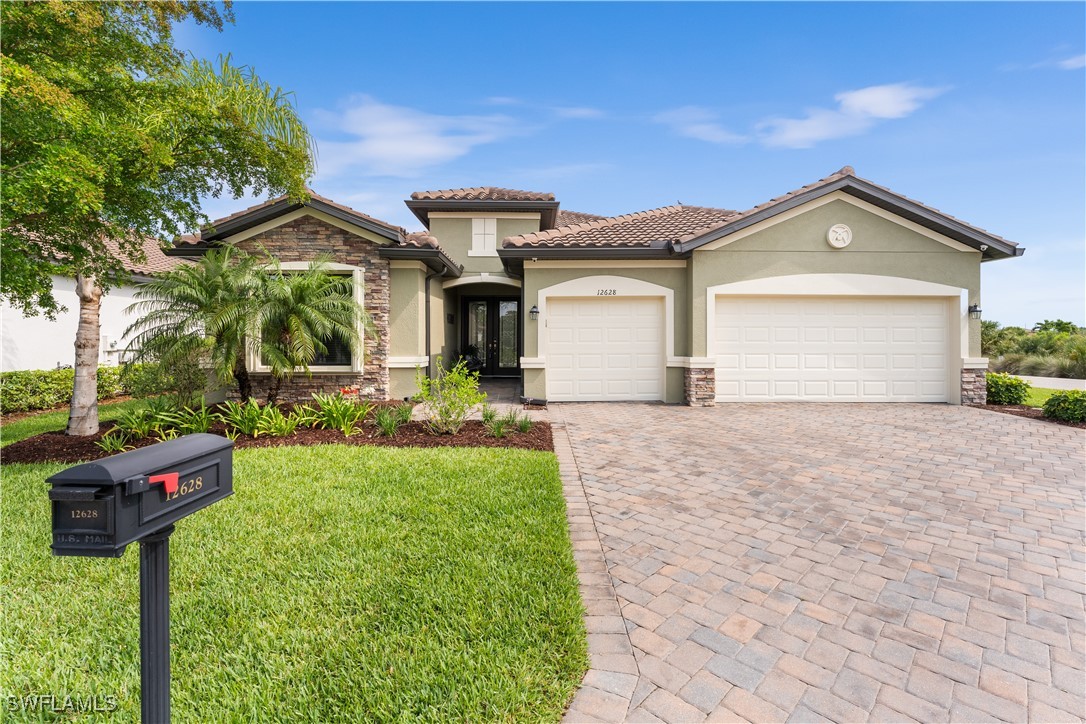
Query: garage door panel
831, 349
608, 349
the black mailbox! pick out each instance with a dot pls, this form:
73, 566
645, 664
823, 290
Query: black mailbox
101, 507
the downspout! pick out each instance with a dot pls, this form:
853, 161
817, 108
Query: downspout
429, 332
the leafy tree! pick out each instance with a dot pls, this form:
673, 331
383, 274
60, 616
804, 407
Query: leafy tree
205, 310
112, 133
300, 314
232, 302
1056, 325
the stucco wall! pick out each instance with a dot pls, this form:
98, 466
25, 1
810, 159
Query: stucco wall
36, 343
406, 310
454, 233
798, 246
541, 276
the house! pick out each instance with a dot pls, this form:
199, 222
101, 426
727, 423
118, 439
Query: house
37, 343
840, 291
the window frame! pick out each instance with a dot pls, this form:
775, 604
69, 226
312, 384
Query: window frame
358, 278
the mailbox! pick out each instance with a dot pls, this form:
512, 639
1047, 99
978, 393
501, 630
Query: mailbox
101, 507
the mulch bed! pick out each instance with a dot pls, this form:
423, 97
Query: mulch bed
60, 448
1033, 413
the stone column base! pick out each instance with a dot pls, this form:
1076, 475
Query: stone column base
699, 385
974, 386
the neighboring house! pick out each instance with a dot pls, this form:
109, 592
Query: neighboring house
839, 291
37, 343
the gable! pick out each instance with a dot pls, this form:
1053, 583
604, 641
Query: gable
320, 218
804, 229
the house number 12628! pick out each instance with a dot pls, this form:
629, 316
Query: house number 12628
606, 292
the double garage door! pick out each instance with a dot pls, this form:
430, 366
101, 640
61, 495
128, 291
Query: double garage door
863, 349
831, 349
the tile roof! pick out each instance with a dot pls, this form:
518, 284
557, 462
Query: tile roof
421, 240
644, 229
482, 193
155, 261
844, 172
568, 218
736, 216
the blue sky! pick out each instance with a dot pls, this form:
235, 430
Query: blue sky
977, 109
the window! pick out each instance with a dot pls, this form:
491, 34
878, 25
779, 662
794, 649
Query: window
338, 357
484, 237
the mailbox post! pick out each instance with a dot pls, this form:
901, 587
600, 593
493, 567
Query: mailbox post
101, 507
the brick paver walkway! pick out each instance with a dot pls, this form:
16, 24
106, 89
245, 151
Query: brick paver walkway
845, 563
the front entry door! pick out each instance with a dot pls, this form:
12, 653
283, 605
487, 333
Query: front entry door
492, 327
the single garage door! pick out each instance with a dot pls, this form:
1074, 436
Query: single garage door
831, 349
605, 349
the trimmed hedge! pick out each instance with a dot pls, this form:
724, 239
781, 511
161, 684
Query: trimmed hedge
25, 390
1069, 406
1005, 389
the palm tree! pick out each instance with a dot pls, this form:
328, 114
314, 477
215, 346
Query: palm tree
301, 315
205, 310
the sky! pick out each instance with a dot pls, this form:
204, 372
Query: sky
977, 109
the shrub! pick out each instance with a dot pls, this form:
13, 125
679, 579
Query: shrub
1003, 389
335, 412
192, 420
114, 442
403, 413
1069, 406
27, 390
273, 422
137, 423
497, 427
148, 379
387, 421
449, 397
241, 417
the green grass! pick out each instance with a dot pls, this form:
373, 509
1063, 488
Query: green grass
338, 583
56, 420
1038, 395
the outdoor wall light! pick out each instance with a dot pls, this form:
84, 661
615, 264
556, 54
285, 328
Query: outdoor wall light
974, 311
534, 312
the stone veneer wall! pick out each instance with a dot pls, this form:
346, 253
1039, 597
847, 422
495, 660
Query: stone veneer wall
303, 240
974, 386
699, 386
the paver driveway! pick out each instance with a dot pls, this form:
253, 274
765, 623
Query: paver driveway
813, 562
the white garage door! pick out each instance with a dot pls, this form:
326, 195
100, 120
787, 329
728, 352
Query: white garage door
605, 349
834, 350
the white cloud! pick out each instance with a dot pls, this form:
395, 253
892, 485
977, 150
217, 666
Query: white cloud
699, 123
856, 112
1073, 63
388, 140
502, 101
577, 112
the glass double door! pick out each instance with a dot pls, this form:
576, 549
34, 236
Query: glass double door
492, 334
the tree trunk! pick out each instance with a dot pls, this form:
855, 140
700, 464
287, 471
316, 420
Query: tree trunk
274, 384
241, 375
83, 415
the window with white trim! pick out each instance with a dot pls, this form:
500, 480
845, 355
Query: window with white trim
338, 357
484, 237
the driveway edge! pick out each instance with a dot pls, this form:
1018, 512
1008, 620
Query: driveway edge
608, 686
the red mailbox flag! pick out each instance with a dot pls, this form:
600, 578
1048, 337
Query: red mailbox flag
168, 480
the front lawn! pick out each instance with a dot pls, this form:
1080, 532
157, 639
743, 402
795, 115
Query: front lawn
37, 423
337, 584
1038, 395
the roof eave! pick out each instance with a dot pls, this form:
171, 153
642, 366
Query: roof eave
514, 256
436, 259
996, 248
421, 208
267, 213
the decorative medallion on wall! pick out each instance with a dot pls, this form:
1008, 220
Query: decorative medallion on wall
839, 236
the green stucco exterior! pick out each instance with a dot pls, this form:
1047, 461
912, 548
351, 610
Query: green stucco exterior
798, 246
455, 237
406, 311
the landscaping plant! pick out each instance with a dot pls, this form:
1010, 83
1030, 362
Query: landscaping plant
114, 442
387, 421
1005, 389
274, 423
448, 397
335, 412
241, 417
1068, 405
